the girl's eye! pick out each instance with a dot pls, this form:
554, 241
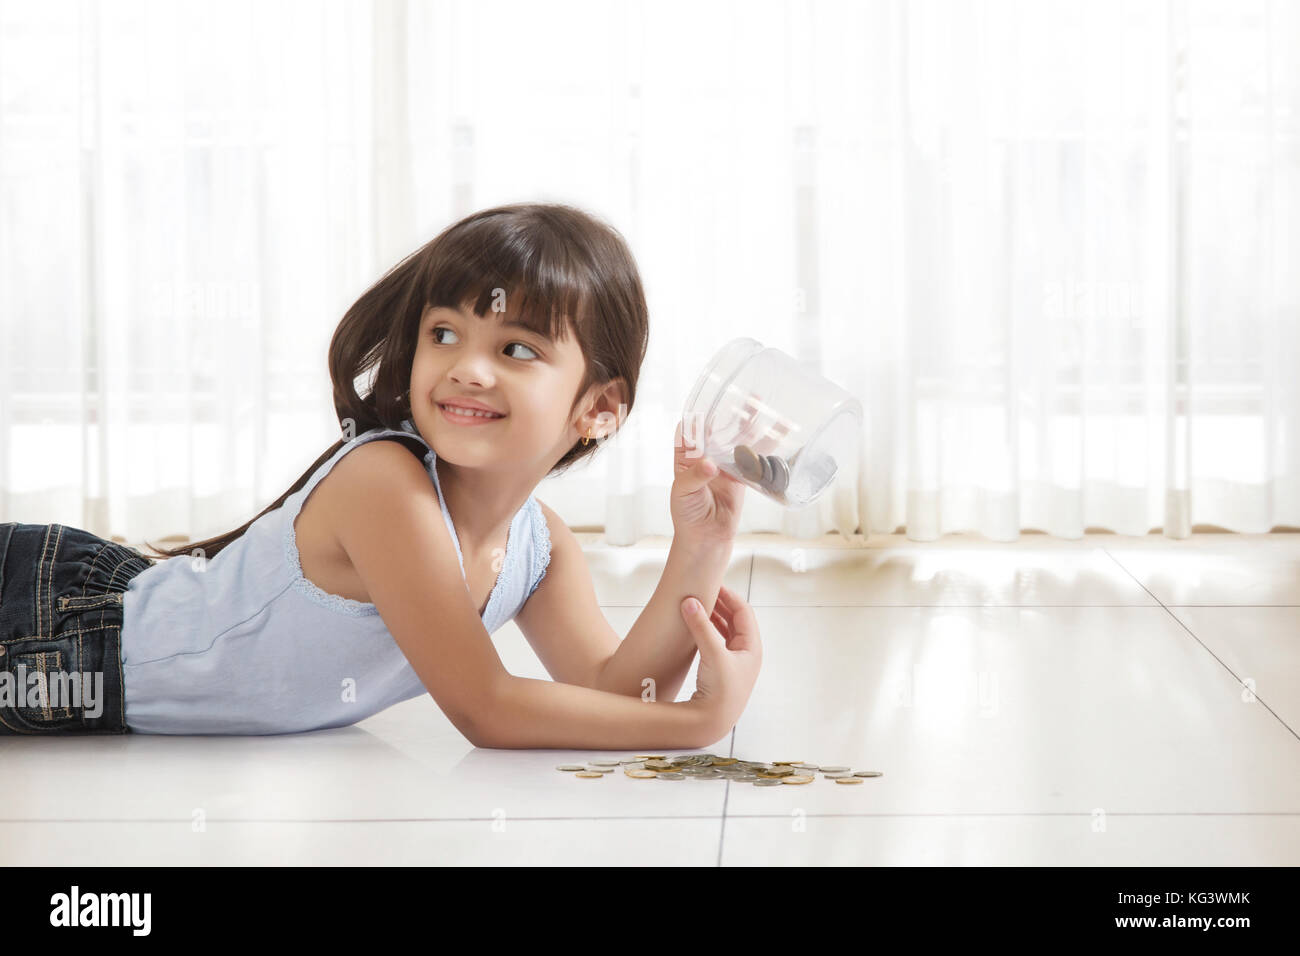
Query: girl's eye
443, 328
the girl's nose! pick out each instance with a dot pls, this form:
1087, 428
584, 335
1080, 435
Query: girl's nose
472, 370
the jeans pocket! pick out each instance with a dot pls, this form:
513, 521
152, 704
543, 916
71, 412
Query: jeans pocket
43, 703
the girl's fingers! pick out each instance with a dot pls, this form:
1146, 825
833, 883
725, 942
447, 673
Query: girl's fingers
725, 609
722, 624
740, 616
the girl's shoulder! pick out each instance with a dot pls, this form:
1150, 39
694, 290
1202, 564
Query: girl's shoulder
410, 442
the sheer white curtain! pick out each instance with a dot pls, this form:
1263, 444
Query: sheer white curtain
1050, 246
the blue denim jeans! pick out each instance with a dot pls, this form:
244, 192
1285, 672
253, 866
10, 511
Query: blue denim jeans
61, 629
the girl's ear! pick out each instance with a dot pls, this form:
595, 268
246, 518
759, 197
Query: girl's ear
613, 399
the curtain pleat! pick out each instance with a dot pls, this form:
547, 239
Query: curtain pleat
1047, 244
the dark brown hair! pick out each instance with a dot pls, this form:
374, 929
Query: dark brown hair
572, 272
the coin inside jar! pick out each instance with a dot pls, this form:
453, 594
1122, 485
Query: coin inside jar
780, 472
748, 462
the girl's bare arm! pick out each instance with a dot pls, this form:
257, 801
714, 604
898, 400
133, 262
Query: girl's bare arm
544, 714
402, 551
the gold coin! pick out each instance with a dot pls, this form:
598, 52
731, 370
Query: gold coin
724, 761
848, 779
798, 778
641, 774
649, 756
588, 774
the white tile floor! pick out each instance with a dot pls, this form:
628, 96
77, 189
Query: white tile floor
1112, 700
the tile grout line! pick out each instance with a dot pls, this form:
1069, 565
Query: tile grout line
1179, 622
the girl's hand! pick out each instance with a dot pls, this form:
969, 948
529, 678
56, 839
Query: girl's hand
705, 501
730, 658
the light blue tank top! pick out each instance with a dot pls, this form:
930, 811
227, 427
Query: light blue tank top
244, 644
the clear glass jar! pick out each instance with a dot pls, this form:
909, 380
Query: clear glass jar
768, 421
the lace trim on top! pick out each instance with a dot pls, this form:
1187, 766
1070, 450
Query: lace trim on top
334, 602
343, 605
541, 545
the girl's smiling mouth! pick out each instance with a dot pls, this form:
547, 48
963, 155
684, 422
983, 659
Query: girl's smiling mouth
466, 416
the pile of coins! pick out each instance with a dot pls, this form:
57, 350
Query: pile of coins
770, 471
713, 767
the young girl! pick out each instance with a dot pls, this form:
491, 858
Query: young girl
499, 351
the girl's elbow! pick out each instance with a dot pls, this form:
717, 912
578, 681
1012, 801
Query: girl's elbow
484, 726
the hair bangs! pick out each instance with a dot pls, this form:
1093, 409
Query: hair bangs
529, 281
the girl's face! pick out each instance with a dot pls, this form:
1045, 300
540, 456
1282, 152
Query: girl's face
518, 373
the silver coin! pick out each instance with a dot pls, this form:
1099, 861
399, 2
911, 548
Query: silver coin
570, 766
779, 473
835, 776
604, 763
834, 769
595, 769
767, 782
748, 462
767, 471
670, 776
807, 766
867, 773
